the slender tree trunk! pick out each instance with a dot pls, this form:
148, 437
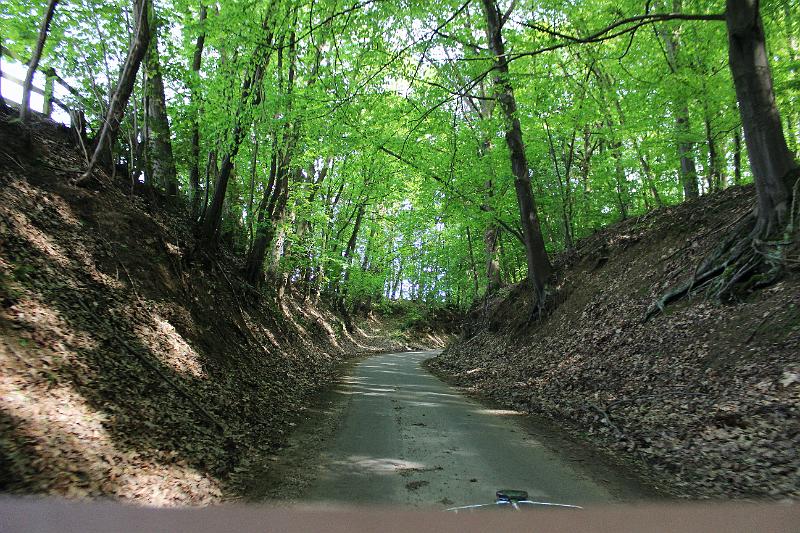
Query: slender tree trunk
622, 182
774, 169
212, 173
250, 95
737, 157
159, 145
490, 240
33, 64
687, 170
264, 227
648, 174
792, 118
398, 282
119, 101
276, 197
473, 267
564, 186
253, 164
714, 174
209, 227
194, 164
492, 231
538, 262
3, 105
348, 254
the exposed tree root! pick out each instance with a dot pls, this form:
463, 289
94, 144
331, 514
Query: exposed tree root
745, 260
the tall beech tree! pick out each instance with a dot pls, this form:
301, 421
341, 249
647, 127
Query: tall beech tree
210, 224
773, 165
194, 161
539, 267
685, 146
160, 161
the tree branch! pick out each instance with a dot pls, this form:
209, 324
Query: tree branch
642, 19
483, 207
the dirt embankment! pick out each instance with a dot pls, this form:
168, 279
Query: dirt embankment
127, 370
706, 397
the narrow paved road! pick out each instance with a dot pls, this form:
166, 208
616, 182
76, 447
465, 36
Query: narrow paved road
407, 438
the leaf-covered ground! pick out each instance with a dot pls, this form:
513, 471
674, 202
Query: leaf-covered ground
127, 370
706, 397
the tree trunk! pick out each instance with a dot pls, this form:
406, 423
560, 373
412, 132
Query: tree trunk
648, 174
737, 157
792, 122
492, 231
255, 259
774, 169
33, 64
119, 101
209, 226
538, 262
270, 213
348, 254
276, 194
564, 185
622, 181
159, 145
212, 219
472, 265
714, 175
490, 241
687, 170
194, 164
3, 105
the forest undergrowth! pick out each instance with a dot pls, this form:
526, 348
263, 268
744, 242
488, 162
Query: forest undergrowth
127, 371
705, 397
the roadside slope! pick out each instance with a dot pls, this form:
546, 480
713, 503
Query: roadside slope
705, 397
127, 370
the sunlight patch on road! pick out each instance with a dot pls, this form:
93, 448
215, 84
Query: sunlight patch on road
378, 465
498, 412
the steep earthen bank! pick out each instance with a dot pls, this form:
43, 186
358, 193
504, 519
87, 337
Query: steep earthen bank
705, 397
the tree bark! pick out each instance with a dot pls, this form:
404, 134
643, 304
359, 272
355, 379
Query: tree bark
270, 212
714, 176
539, 267
687, 170
159, 144
33, 64
3, 105
119, 101
212, 219
737, 157
472, 265
194, 168
623, 192
774, 169
276, 194
348, 254
251, 194
647, 172
564, 183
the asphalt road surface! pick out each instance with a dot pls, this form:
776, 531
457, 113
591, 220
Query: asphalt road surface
406, 438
